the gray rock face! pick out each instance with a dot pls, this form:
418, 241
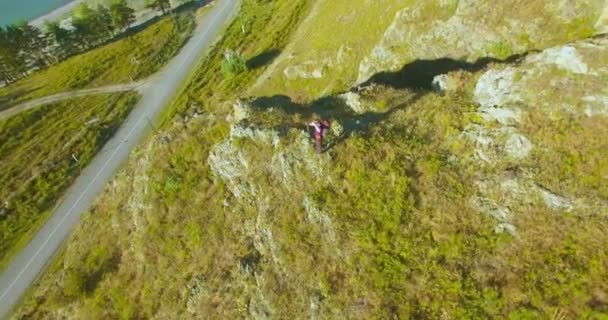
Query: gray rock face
506, 96
472, 29
554, 201
596, 105
240, 112
495, 88
503, 116
307, 70
441, 83
353, 100
565, 58
518, 146
231, 163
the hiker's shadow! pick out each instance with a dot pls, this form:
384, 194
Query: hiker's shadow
330, 107
413, 80
361, 123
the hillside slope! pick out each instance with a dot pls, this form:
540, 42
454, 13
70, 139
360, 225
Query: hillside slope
464, 179
344, 43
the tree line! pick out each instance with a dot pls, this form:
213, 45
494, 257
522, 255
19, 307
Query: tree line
24, 47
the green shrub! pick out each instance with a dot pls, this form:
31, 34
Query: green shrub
500, 49
233, 64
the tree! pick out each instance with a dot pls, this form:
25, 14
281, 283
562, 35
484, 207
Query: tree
92, 26
34, 45
104, 26
122, 15
162, 5
61, 39
83, 23
9, 58
13, 43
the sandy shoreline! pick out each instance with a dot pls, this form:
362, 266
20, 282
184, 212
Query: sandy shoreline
56, 14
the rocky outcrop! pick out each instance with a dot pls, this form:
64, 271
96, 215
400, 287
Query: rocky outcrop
506, 96
262, 168
472, 29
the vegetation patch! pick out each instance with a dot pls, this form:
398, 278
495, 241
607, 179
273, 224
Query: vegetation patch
131, 58
42, 151
240, 218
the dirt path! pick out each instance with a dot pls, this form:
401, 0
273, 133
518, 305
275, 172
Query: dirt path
138, 86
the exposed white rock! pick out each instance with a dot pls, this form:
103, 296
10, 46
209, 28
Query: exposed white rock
353, 100
504, 116
518, 146
441, 83
495, 88
500, 212
494, 144
480, 155
554, 201
240, 112
596, 105
229, 164
263, 136
565, 58
505, 227
306, 70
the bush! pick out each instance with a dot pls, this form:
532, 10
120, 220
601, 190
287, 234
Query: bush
233, 64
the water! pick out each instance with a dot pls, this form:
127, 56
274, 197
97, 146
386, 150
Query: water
13, 11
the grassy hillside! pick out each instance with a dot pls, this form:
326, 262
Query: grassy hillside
268, 26
36, 163
484, 200
338, 47
129, 59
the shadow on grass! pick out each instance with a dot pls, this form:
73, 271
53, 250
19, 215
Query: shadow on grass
263, 59
416, 77
329, 107
419, 74
92, 280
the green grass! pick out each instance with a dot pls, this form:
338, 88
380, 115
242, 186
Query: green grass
128, 59
338, 39
500, 50
396, 236
36, 163
332, 28
264, 33
179, 172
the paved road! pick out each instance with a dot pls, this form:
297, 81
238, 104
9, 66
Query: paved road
139, 86
26, 267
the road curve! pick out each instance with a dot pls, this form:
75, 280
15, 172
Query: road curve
31, 261
139, 86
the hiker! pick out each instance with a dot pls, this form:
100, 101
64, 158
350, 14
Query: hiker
321, 130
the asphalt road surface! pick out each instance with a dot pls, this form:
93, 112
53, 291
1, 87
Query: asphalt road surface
32, 260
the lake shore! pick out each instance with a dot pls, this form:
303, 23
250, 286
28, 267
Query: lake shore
56, 14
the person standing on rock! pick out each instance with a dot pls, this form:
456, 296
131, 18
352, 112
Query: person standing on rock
321, 129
